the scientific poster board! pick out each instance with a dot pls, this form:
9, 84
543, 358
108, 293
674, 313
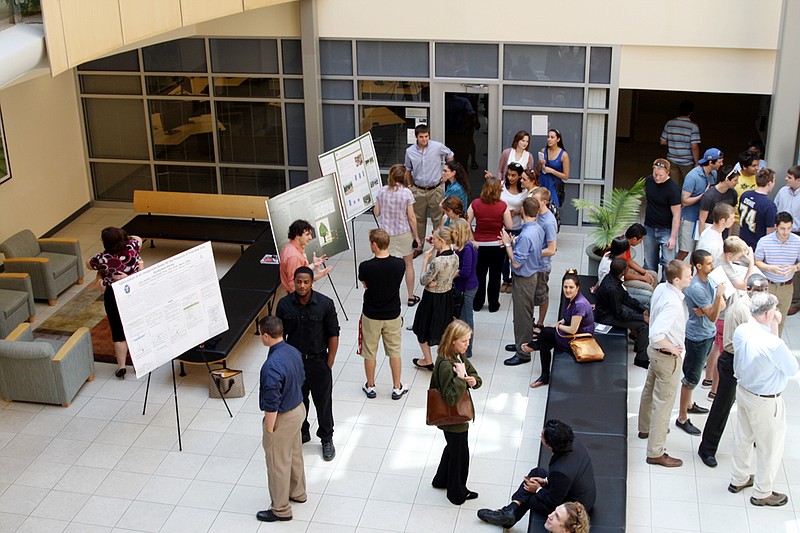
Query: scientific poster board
318, 203
359, 176
170, 307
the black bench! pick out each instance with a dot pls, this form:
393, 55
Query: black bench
242, 232
592, 399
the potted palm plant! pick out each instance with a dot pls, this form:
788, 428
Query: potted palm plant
610, 218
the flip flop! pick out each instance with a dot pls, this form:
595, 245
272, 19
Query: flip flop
413, 301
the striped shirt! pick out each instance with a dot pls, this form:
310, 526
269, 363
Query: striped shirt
774, 252
393, 205
680, 133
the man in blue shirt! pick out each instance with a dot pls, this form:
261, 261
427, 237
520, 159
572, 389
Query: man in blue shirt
705, 300
757, 211
281, 399
526, 262
697, 182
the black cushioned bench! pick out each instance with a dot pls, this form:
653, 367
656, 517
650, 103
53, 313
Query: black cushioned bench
592, 398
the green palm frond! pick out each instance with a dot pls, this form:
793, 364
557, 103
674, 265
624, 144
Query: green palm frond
613, 215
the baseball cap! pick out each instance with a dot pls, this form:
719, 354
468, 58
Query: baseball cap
712, 154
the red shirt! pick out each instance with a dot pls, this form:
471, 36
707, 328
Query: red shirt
488, 220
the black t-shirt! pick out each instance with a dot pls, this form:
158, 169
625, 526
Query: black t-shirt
712, 197
383, 278
660, 197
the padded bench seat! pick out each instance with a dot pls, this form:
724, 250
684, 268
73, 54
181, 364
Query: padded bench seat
183, 228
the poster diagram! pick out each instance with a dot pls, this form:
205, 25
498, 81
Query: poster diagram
359, 177
316, 202
170, 307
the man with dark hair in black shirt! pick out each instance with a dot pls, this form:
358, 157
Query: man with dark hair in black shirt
380, 317
311, 325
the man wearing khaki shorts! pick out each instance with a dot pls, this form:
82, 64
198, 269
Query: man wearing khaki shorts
380, 316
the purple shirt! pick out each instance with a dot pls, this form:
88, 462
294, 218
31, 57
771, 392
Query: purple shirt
467, 278
579, 306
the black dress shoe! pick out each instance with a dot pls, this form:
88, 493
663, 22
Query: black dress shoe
269, 516
697, 410
328, 451
708, 460
471, 495
688, 427
511, 347
641, 364
501, 517
306, 437
516, 360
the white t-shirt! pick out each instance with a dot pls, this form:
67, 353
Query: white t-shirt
711, 241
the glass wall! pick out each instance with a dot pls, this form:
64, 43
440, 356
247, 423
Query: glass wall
5, 170
197, 115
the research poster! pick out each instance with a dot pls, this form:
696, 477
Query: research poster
359, 176
316, 202
170, 307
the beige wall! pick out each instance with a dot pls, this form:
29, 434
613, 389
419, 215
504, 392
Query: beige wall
45, 149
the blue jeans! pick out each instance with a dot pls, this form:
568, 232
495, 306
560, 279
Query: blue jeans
694, 360
467, 315
656, 251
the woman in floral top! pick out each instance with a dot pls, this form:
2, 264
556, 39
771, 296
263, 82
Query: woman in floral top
119, 259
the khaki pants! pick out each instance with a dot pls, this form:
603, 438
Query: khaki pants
678, 172
759, 421
784, 294
658, 397
286, 477
426, 202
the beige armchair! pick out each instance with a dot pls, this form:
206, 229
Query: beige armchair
53, 264
44, 371
16, 301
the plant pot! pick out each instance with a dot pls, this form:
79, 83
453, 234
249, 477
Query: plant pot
594, 259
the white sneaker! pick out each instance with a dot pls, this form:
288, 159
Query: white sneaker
398, 393
369, 391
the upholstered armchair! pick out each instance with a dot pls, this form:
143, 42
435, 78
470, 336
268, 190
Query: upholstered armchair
44, 371
16, 301
53, 264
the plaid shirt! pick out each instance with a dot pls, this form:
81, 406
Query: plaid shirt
394, 209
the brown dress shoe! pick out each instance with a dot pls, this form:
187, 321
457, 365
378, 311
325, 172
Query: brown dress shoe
664, 460
643, 435
793, 311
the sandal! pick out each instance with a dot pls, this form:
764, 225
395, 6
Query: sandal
420, 365
413, 301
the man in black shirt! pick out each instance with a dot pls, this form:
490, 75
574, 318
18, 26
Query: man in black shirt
723, 192
662, 217
616, 307
380, 317
311, 325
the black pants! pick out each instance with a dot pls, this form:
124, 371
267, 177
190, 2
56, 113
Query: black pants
545, 344
721, 408
319, 382
112, 312
454, 467
526, 499
490, 260
642, 332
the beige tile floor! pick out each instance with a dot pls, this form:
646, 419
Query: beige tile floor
100, 466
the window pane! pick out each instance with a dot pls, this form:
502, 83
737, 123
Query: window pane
116, 128
393, 59
600, 65
186, 179
337, 89
126, 62
543, 96
569, 124
297, 177
458, 60
252, 132
598, 98
183, 55
293, 88
335, 58
244, 55
338, 125
117, 181
182, 130
388, 126
596, 127
253, 181
247, 87
292, 56
111, 84
296, 134
177, 85
401, 91
545, 63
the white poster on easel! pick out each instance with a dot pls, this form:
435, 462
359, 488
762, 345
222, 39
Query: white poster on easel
357, 172
170, 307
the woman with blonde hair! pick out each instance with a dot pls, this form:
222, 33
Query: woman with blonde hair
453, 376
466, 283
435, 310
569, 517
395, 205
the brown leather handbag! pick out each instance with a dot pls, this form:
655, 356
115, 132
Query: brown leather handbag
440, 413
585, 348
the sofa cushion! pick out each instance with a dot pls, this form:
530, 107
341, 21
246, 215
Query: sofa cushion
22, 244
60, 262
10, 301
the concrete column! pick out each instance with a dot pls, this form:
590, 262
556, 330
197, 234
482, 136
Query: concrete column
784, 116
312, 90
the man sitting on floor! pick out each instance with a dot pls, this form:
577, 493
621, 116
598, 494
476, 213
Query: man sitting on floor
570, 478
